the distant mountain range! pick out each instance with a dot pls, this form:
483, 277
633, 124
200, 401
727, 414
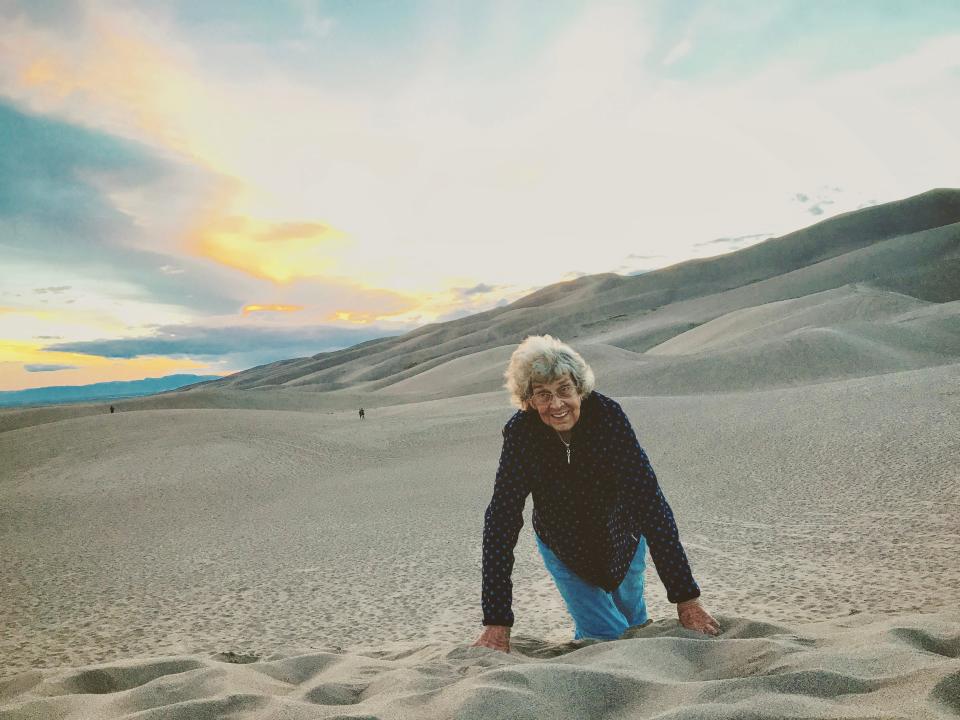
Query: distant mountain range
98, 391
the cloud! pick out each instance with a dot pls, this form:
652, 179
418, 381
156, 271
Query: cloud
818, 208
57, 210
247, 309
54, 290
47, 171
280, 252
104, 194
478, 289
734, 240
60, 14
314, 23
638, 263
678, 51
820, 199
235, 346
48, 368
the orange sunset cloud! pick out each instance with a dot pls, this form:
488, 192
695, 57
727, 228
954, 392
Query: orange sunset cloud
247, 309
281, 252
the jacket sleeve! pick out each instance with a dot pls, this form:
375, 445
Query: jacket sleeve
648, 508
501, 527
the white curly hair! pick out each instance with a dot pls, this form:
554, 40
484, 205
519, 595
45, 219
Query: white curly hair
544, 359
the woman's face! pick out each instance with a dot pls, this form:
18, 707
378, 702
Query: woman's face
557, 403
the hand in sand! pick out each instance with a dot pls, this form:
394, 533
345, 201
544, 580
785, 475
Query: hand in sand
495, 637
694, 616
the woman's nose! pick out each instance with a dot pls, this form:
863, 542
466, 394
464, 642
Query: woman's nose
555, 401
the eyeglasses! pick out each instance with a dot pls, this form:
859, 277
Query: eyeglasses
543, 398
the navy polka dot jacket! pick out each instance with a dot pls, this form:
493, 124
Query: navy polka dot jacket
590, 511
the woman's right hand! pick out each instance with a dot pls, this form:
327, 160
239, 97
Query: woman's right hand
495, 637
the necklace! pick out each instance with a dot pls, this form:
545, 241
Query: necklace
565, 444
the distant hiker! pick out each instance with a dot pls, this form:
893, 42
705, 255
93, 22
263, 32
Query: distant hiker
596, 504
112, 409
361, 414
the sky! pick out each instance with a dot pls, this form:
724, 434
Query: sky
207, 186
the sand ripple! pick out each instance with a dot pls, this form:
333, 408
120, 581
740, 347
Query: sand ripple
895, 667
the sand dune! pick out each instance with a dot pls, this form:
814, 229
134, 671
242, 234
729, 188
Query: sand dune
852, 331
188, 530
776, 319
882, 265
476, 372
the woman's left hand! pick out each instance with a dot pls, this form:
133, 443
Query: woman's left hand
694, 616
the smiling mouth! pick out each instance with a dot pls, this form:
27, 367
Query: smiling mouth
560, 416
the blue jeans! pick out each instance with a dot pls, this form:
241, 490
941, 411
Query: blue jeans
597, 613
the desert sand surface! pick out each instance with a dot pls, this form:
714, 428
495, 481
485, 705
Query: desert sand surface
345, 556
250, 549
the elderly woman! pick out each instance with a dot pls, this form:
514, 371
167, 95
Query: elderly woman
596, 504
